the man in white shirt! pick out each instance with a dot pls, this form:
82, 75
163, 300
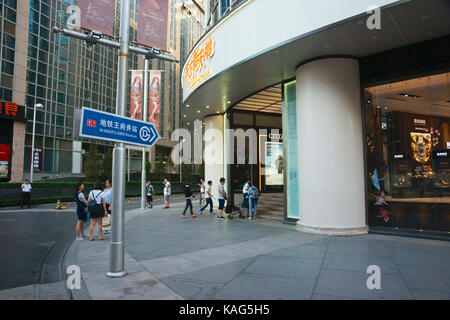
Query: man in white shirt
208, 199
167, 193
26, 193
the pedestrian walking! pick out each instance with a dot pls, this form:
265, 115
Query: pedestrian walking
245, 194
149, 193
188, 195
208, 199
202, 191
106, 223
26, 193
253, 196
82, 203
97, 210
222, 196
167, 193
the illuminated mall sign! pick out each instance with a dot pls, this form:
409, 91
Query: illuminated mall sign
197, 68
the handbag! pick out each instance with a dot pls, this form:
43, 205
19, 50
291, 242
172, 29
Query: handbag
88, 217
106, 221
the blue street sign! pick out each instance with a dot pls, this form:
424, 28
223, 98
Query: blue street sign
107, 126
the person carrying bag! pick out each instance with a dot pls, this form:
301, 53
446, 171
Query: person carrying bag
97, 210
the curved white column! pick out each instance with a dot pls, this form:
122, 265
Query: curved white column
214, 152
331, 162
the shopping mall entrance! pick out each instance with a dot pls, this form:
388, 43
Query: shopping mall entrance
262, 112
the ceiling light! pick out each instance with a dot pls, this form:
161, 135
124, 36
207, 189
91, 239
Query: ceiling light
198, 111
184, 116
228, 102
187, 106
207, 107
188, 123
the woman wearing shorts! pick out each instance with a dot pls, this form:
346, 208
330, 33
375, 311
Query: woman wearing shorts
98, 196
81, 211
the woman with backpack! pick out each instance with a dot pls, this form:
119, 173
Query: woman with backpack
81, 202
253, 195
97, 210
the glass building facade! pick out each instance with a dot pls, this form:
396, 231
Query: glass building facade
65, 74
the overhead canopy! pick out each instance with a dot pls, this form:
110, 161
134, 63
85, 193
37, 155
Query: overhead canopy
402, 23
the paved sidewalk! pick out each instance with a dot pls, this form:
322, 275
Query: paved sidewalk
171, 258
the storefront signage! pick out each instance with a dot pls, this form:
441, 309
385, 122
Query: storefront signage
4, 160
420, 122
440, 154
399, 156
37, 160
448, 144
275, 136
196, 69
107, 126
12, 110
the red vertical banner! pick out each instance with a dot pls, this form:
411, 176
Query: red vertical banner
37, 160
154, 98
97, 15
4, 160
137, 84
152, 23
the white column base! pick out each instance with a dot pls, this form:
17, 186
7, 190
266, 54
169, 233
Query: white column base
332, 231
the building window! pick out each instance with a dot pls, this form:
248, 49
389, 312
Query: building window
408, 154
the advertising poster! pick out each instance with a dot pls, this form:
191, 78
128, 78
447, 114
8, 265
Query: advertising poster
274, 163
97, 15
154, 101
152, 23
136, 95
4, 160
37, 160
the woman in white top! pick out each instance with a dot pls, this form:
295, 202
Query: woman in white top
97, 211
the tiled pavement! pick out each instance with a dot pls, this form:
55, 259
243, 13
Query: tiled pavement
203, 258
171, 258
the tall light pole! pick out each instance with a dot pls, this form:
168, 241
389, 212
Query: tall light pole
144, 118
36, 106
117, 257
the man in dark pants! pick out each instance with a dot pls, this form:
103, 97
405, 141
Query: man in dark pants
188, 195
208, 199
26, 193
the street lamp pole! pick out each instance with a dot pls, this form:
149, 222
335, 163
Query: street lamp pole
40, 106
117, 256
144, 118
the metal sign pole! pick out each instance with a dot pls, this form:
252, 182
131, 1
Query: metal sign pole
144, 150
117, 256
93, 38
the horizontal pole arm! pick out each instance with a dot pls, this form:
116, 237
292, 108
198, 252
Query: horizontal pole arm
146, 52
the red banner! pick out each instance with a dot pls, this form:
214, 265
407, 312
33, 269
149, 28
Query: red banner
37, 160
152, 23
154, 101
97, 15
136, 95
4, 160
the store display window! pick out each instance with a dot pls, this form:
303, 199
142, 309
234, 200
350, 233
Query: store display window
408, 154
